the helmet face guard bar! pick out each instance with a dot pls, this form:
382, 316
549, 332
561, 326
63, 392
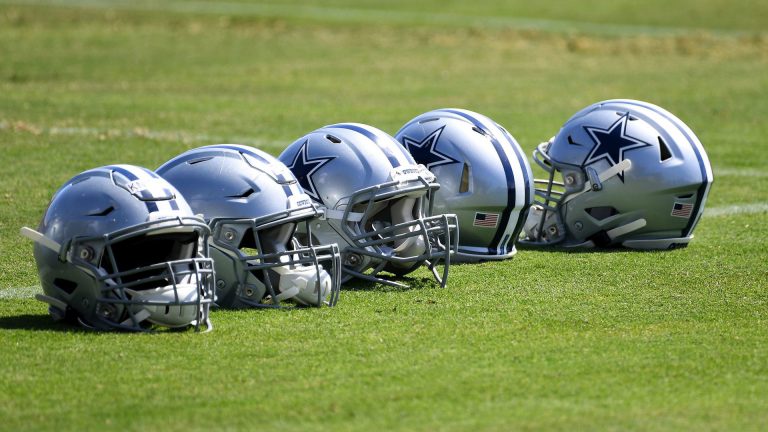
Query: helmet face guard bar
118, 287
548, 196
437, 231
438, 249
298, 214
199, 270
554, 195
226, 230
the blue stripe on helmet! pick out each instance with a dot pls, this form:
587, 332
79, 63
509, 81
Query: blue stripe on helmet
288, 190
242, 149
523, 163
125, 172
510, 179
373, 137
699, 158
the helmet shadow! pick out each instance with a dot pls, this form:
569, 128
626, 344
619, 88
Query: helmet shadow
587, 250
407, 283
42, 322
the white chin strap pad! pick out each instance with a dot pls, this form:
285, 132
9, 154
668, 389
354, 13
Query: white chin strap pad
402, 212
168, 314
303, 284
410, 247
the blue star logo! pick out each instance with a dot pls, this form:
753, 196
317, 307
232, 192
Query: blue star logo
611, 144
425, 151
303, 168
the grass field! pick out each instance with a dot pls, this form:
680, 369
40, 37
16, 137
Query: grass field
614, 340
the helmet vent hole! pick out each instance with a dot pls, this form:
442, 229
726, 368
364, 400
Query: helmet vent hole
685, 196
571, 141
601, 213
478, 130
429, 120
197, 161
65, 285
664, 150
104, 212
333, 139
245, 194
464, 185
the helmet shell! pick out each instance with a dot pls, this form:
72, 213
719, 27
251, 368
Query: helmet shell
372, 191
95, 217
253, 203
484, 175
665, 186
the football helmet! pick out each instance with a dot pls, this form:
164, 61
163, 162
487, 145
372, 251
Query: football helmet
119, 248
632, 173
253, 205
484, 177
375, 200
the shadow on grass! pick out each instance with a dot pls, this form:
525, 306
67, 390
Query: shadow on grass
586, 250
38, 323
31, 322
407, 284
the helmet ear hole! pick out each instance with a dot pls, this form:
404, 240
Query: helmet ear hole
464, 184
478, 130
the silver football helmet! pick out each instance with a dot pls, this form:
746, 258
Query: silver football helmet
632, 174
484, 177
376, 202
253, 205
119, 248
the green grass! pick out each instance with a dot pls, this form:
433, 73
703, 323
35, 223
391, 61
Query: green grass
615, 340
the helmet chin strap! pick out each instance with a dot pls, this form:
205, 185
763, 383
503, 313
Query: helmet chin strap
412, 246
626, 228
614, 233
40, 239
170, 313
305, 285
595, 182
339, 215
402, 212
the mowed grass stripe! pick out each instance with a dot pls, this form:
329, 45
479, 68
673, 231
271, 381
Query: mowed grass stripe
104, 133
137, 132
376, 16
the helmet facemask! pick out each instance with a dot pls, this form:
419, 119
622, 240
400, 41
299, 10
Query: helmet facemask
151, 274
389, 227
271, 265
544, 224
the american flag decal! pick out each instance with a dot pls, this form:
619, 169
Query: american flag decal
487, 220
682, 210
